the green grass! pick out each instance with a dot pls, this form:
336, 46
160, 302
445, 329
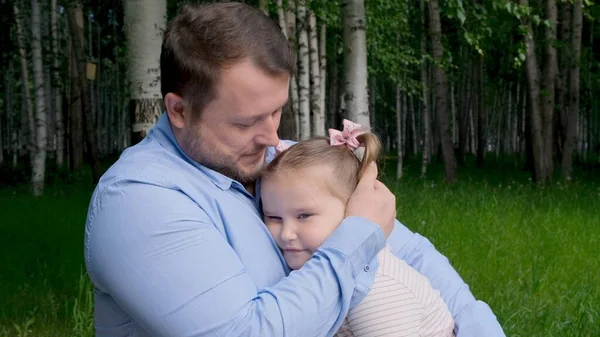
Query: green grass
531, 253
42, 291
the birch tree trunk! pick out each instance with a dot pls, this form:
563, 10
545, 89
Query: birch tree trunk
534, 108
425, 88
30, 130
75, 15
144, 25
549, 80
571, 137
303, 73
441, 93
318, 117
355, 61
323, 70
59, 128
38, 167
290, 20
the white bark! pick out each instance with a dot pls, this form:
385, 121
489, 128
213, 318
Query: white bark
355, 61
39, 156
281, 18
323, 68
318, 121
145, 22
303, 74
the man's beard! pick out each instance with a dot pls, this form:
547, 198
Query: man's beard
194, 146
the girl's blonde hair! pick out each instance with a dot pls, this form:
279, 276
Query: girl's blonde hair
317, 151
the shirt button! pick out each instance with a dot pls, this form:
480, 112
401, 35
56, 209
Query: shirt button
367, 268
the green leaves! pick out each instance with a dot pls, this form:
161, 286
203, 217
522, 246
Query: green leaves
456, 10
390, 39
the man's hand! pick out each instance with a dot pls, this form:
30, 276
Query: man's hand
373, 200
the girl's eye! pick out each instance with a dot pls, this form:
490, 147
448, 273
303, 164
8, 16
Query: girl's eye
274, 218
304, 216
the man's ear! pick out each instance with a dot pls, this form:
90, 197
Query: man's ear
175, 107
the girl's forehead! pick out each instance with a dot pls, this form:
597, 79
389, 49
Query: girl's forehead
314, 174
314, 180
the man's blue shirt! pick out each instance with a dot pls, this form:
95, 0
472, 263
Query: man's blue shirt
176, 249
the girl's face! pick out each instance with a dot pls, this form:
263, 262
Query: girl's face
300, 211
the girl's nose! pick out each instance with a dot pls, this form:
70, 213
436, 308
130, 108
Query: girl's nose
288, 233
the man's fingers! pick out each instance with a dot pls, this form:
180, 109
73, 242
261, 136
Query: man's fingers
369, 177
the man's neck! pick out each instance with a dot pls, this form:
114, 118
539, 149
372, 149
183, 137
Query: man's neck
250, 187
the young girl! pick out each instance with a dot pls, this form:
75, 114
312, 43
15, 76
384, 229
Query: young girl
304, 193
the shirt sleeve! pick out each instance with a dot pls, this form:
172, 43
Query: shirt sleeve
472, 318
166, 264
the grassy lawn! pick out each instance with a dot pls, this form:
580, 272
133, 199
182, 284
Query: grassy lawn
42, 291
531, 253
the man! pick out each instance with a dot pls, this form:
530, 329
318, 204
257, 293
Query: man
175, 244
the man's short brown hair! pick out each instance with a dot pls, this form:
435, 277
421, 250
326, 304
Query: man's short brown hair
204, 39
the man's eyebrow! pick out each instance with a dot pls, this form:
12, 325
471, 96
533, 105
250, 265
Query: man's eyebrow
262, 115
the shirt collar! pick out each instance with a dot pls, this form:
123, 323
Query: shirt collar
163, 134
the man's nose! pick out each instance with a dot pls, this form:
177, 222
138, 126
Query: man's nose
269, 136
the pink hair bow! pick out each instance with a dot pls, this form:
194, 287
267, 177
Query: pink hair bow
347, 135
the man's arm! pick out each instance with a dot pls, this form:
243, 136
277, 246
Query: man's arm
472, 318
165, 263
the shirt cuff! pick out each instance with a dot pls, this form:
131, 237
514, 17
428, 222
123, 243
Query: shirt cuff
477, 319
360, 240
